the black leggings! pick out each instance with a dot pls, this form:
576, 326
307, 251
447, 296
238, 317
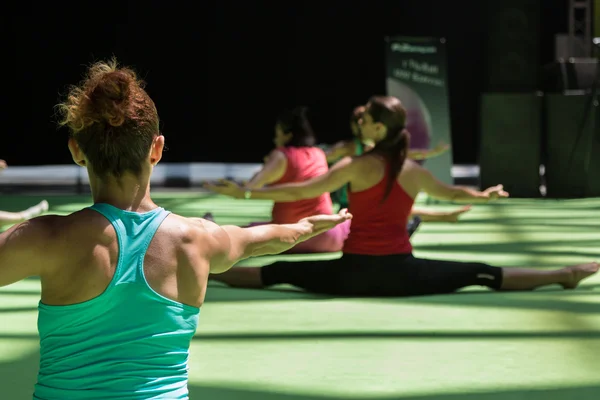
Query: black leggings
379, 276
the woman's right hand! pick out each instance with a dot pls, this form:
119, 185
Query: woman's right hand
440, 149
495, 192
2, 165
318, 224
225, 187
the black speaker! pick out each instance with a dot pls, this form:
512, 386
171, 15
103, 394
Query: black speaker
572, 169
513, 45
572, 74
511, 142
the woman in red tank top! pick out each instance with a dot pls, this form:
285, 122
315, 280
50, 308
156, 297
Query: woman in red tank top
297, 159
358, 145
377, 257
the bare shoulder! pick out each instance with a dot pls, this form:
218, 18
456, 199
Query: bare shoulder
209, 236
35, 244
368, 162
41, 232
73, 233
413, 174
412, 169
188, 229
364, 171
195, 243
277, 155
350, 167
411, 177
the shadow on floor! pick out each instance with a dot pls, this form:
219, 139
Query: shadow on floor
373, 334
17, 378
8, 292
217, 293
548, 299
421, 335
17, 309
198, 392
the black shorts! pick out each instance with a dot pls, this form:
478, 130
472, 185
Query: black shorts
379, 276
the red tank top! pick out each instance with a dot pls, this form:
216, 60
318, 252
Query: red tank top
379, 228
303, 163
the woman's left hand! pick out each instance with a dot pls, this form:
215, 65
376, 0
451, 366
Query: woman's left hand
441, 148
455, 215
226, 187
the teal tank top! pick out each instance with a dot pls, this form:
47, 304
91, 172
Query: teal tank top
359, 147
342, 194
128, 343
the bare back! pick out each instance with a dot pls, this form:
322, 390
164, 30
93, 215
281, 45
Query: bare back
85, 251
371, 171
366, 171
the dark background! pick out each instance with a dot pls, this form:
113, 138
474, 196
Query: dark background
220, 71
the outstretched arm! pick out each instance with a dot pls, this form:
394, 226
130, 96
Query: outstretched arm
22, 250
231, 244
439, 216
432, 186
340, 150
340, 174
273, 169
423, 154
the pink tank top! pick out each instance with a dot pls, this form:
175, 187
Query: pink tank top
303, 163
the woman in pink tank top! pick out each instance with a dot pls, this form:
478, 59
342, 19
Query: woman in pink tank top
297, 159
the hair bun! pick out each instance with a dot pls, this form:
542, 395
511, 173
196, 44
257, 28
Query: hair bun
110, 97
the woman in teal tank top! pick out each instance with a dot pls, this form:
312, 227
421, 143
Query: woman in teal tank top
123, 280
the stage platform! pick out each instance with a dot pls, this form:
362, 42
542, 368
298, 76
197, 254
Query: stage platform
167, 176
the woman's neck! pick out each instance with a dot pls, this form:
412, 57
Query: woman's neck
130, 192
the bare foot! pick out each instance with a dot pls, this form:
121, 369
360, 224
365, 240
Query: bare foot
577, 273
36, 210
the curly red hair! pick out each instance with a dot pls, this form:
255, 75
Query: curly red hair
112, 118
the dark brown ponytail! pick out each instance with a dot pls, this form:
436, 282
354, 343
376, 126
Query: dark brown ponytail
394, 147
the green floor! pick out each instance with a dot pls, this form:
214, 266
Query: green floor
476, 345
